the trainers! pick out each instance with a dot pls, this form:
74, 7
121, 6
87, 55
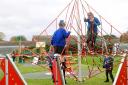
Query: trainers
65, 82
106, 81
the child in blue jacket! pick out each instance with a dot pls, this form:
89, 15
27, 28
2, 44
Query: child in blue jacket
59, 38
108, 65
58, 41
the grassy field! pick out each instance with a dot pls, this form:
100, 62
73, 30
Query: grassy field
1, 74
31, 69
96, 80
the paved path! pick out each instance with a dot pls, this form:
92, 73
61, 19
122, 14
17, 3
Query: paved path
37, 75
47, 75
28, 65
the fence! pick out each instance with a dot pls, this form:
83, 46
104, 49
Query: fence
122, 73
11, 74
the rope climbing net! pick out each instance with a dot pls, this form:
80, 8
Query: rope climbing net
74, 14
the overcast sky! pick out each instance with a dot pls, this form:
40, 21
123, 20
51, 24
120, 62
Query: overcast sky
30, 17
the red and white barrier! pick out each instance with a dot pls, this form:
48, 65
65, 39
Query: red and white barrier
2, 66
121, 76
57, 71
11, 74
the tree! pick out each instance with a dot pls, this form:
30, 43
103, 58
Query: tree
2, 35
18, 38
124, 37
109, 36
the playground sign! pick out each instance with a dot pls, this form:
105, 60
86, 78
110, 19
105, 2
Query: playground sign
40, 44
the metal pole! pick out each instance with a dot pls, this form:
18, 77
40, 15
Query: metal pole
20, 45
79, 44
101, 35
79, 60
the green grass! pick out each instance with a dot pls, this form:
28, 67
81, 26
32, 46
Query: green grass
25, 69
1, 74
91, 60
96, 80
39, 82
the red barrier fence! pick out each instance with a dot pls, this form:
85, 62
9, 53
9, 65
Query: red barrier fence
121, 77
11, 74
2, 66
56, 73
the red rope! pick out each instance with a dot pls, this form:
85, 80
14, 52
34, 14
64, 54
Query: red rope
102, 17
72, 16
56, 17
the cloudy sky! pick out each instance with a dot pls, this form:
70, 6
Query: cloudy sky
30, 17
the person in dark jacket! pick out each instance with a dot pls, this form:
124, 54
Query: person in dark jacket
108, 65
92, 31
58, 41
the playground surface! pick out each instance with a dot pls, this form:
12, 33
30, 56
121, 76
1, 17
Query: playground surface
40, 75
83, 60
36, 75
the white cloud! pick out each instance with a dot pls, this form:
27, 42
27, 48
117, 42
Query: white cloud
29, 17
